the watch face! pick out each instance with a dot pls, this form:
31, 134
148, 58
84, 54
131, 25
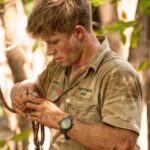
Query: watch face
65, 124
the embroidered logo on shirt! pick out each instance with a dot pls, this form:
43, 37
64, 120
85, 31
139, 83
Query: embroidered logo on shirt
56, 87
59, 90
84, 91
56, 82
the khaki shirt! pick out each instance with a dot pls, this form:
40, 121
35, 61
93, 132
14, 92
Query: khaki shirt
107, 91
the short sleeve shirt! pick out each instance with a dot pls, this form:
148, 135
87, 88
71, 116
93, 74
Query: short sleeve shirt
107, 91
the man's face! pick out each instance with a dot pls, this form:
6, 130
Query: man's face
65, 49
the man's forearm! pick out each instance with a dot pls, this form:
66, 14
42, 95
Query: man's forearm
30, 83
102, 136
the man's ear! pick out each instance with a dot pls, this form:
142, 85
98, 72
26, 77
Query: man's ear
79, 32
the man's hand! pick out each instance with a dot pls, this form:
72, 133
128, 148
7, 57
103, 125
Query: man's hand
44, 111
48, 114
18, 96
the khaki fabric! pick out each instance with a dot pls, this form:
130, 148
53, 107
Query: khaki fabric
107, 91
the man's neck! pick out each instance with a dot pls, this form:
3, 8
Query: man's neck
88, 55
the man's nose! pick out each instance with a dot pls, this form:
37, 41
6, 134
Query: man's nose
51, 51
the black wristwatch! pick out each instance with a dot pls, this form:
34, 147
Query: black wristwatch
65, 125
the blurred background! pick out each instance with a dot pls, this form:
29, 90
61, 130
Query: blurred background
126, 23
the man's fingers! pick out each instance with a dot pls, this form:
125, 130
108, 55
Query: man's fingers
31, 106
35, 114
20, 112
24, 94
18, 103
35, 100
17, 107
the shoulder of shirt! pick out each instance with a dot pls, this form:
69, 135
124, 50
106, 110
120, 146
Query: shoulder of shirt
113, 62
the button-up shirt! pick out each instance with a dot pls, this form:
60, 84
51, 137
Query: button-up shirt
108, 91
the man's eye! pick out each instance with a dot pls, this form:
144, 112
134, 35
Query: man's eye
54, 42
51, 42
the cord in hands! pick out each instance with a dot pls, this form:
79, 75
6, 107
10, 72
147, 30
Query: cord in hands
37, 127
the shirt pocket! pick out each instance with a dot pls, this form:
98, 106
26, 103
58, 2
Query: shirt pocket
87, 110
54, 92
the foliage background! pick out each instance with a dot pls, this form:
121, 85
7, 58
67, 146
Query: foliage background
18, 61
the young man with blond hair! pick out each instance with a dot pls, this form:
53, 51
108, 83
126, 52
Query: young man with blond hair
90, 97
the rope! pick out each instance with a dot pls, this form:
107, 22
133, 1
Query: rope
35, 125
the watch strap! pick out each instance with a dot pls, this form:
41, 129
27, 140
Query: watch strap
64, 131
66, 136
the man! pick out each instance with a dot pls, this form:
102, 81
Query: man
90, 97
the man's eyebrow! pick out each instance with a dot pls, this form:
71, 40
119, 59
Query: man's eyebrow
52, 39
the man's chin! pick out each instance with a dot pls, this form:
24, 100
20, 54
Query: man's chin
63, 64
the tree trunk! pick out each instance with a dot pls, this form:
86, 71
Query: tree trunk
17, 45
108, 15
136, 56
6, 84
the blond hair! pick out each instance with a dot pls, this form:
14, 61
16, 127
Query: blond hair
50, 16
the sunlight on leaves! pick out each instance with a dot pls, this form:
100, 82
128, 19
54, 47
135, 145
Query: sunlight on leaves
18, 137
123, 38
117, 26
143, 65
2, 143
144, 4
147, 12
98, 2
28, 1
22, 136
1, 1
135, 36
29, 4
144, 7
114, 1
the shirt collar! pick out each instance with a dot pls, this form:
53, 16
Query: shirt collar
103, 49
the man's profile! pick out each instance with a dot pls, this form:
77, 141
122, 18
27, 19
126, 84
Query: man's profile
89, 96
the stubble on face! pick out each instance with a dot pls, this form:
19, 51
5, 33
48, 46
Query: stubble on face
67, 51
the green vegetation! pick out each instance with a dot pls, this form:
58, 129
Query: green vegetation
18, 137
120, 26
